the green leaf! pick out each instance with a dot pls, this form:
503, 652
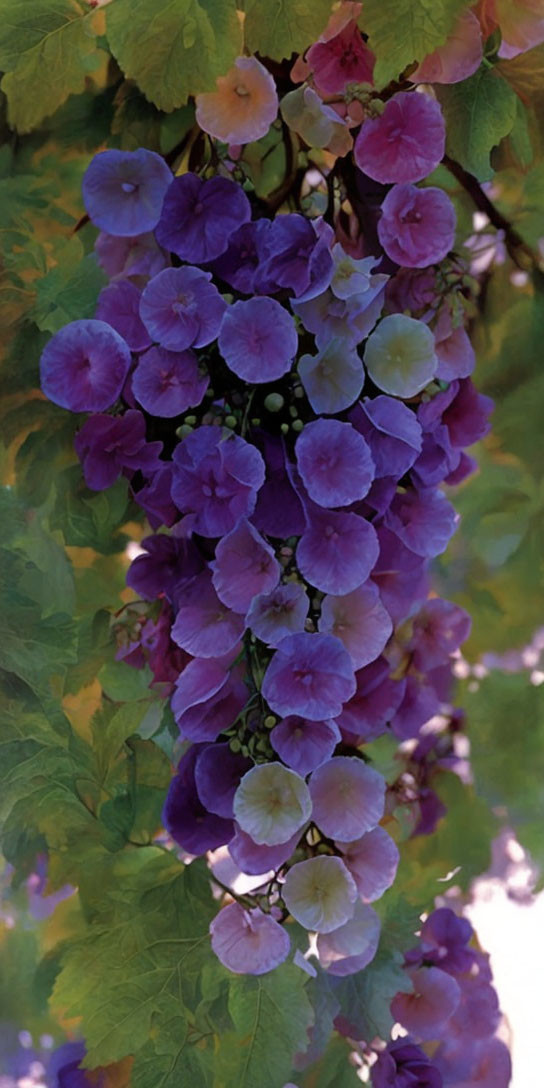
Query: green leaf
68, 292
47, 48
176, 50
478, 112
278, 28
404, 31
365, 997
122, 683
333, 1070
506, 730
137, 975
271, 1015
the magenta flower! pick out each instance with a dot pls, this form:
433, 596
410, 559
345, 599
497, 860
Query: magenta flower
83, 367
425, 1011
181, 308
372, 861
351, 947
360, 621
248, 942
109, 445
123, 191
244, 566
310, 675
254, 858
340, 60
337, 551
204, 626
216, 478
417, 226
258, 339
119, 306
334, 462
282, 612
198, 217
405, 143
304, 745
167, 383
347, 796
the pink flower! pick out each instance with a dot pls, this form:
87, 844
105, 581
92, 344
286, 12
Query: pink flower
405, 143
458, 58
244, 105
417, 227
340, 60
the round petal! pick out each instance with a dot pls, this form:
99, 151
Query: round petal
417, 226
458, 58
282, 612
244, 566
405, 143
180, 308
204, 626
337, 552
348, 797
304, 745
258, 340
400, 355
216, 477
360, 621
123, 191
320, 893
84, 366
184, 816
271, 803
255, 859
333, 378
248, 942
435, 997
119, 306
351, 947
334, 462
244, 105
217, 775
372, 861
198, 217
310, 675
167, 383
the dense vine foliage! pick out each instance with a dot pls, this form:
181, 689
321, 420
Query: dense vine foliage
239, 818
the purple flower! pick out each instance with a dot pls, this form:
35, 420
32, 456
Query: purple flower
412, 289
341, 59
181, 308
166, 383
320, 893
439, 629
244, 566
337, 551
191, 825
482, 1064
118, 305
207, 699
372, 861
238, 264
349, 319
304, 745
405, 143
252, 858
424, 521
199, 217
282, 612
333, 378
155, 498
435, 997
404, 1065
374, 703
351, 947
417, 227
279, 510
453, 348
123, 191
310, 675
108, 445
295, 255
419, 703
83, 367
334, 462
217, 776
360, 621
347, 796
138, 255
401, 576
216, 478
204, 626
248, 941
258, 340
443, 941
272, 803
391, 431
168, 560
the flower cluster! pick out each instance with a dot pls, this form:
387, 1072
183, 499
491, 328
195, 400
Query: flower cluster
453, 1001
285, 414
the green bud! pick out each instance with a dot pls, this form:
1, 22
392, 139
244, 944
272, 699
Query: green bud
184, 430
256, 422
293, 411
297, 425
209, 392
284, 428
230, 421
270, 721
235, 745
274, 402
191, 420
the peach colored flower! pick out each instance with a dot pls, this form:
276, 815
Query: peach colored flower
244, 105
